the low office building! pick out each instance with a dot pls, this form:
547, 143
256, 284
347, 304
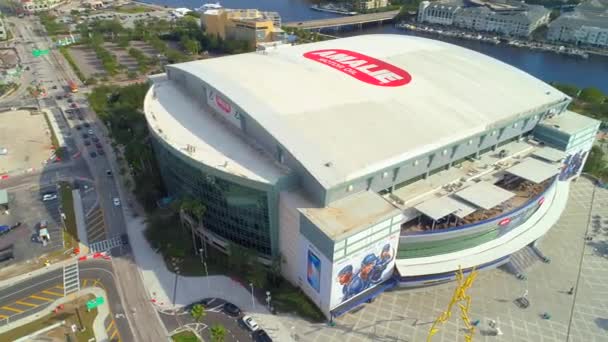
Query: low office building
586, 25
32, 6
508, 17
250, 25
368, 162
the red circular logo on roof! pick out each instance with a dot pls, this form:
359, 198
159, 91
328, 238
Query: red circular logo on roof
364, 68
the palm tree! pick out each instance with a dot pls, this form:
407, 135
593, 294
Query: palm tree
198, 312
218, 332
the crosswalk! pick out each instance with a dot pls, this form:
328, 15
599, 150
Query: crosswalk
105, 245
71, 279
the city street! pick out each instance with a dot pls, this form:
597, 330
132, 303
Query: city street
34, 294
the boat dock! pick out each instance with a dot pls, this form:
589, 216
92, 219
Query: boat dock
355, 20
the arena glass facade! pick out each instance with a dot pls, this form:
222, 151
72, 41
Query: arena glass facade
238, 210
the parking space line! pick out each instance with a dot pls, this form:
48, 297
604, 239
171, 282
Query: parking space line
26, 304
52, 293
41, 298
110, 325
11, 309
114, 334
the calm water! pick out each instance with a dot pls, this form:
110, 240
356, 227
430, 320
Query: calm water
546, 66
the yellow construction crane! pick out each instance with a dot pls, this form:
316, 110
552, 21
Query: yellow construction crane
463, 300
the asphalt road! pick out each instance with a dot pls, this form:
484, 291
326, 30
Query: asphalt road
52, 70
37, 293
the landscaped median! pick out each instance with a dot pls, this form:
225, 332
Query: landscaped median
72, 313
66, 54
70, 233
185, 336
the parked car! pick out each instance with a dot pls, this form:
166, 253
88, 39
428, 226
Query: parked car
116, 202
93, 154
85, 136
87, 125
73, 105
261, 336
87, 143
69, 100
101, 152
95, 139
49, 197
109, 173
232, 309
250, 323
6, 254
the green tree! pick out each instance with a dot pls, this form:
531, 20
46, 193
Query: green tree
258, 275
596, 162
567, 89
592, 95
218, 333
198, 312
191, 45
240, 258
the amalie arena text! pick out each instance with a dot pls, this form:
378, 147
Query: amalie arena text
364, 68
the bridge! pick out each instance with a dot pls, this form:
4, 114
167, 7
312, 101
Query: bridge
343, 21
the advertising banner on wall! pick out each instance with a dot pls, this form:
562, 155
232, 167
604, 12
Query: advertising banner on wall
572, 165
313, 272
223, 106
363, 270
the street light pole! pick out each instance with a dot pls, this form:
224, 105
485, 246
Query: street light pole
200, 251
268, 298
252, 298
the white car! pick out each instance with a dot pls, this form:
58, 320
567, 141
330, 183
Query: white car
250, 323
91, 132
49, 197
116, 202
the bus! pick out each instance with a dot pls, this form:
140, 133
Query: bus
73, 86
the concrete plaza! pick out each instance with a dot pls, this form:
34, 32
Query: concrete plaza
406, 315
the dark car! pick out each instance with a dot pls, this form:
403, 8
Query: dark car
93, 154
73, 105
80, 118
101, 152
87, 143
84, 135
261, 336
87, 125
70, 100
95, 139
124, 238
232, 309
58, 97
54, 87
78, 127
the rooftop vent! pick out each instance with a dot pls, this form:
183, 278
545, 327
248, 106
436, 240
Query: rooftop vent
328, 164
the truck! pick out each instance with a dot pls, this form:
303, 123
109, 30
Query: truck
73, 86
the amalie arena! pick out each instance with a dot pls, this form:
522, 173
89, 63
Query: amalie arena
368, 163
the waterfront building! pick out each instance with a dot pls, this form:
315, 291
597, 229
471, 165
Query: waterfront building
364, 5
32, 6
508, 18
368, 162
250, 25
586, 25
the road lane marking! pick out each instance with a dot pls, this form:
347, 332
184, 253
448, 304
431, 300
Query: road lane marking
41, 298
52, 293
11, 309
114, 334
110, 326
26, 304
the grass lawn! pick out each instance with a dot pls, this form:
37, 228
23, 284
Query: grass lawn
133, 9
185, 336
68, 315
67, 204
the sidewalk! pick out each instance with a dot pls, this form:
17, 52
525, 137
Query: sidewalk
160, 282
99, 327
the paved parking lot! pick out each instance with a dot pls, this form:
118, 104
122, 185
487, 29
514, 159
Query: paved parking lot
406, 315
27, 138
28, 208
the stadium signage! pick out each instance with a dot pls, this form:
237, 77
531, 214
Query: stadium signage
223, 105
364, 68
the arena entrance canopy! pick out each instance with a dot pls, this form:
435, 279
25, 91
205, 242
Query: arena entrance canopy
485, 195
534, 170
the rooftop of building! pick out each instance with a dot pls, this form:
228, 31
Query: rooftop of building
570, 122
591, 13
350, 215
182, 122
342, 128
